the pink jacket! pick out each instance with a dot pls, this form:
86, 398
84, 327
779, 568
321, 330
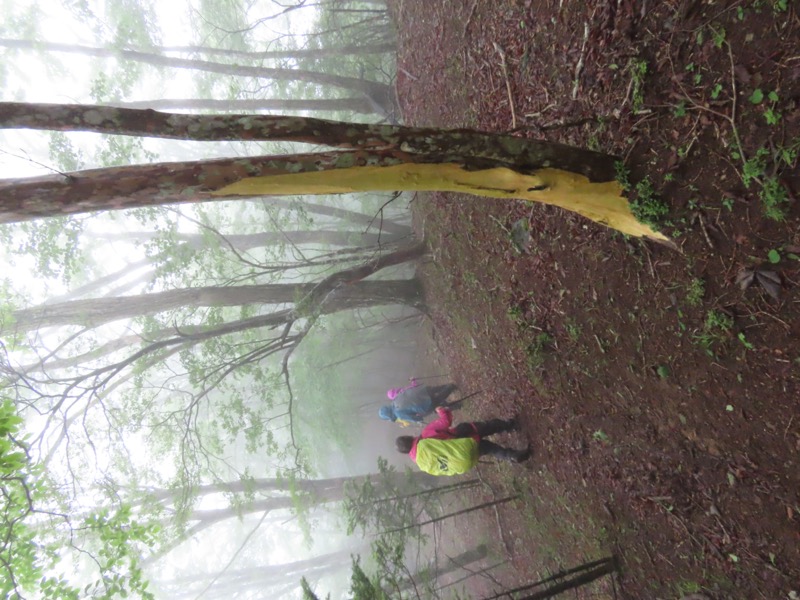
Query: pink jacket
438, 429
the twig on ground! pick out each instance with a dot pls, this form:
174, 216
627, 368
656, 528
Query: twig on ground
508, 84
469, 17
407, 74
500, 529
579, 66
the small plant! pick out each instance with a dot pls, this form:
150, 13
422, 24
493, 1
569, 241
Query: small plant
573, 330
715, 91
680, 109
600, 436
774, 197
638, 69
741, 337
515, 314
757, 97
663, 371
686, 587
788, 155
753, 168
718, 36
728, 203
648, 207
536, 350
695, 292
716, 330
773, 194
622, 175
770, 114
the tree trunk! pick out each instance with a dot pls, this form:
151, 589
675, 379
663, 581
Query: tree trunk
384, 158
338, 486
458, 144
297, 53
249, 241
343, 290
98, 311
357, 218
379, 92
355, 105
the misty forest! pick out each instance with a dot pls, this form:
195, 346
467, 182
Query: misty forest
230, 227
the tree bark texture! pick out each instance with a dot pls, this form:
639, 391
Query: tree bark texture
98, 311
355, 104
165, 183
448, 145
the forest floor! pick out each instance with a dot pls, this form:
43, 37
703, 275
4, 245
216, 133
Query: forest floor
661, 399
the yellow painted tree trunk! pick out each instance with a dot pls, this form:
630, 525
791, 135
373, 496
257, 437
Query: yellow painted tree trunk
371, 158
601, 202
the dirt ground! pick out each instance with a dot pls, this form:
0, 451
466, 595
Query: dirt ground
662, 400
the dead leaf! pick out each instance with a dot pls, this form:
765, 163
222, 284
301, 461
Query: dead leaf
521, 235
745, 278
742, 74
770, 281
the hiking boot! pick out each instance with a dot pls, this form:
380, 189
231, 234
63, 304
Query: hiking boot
516, 456
522, 455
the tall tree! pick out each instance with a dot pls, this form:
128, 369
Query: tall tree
376, 157
94, 312
380, 93
353, 104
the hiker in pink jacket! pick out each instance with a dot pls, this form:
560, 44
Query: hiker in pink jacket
442, 429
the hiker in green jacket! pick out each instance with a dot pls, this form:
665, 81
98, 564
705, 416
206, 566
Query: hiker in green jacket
442, 449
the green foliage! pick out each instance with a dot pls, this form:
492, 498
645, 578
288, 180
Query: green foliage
774, 198
638, 68
123, 150
54, 244
119, 536
754, 167
718, 36
31, 546
695, 292
387, 506
364, 588
757, 97
64, 154
19, 568
308, 593
741, 337
716, 330
647, 206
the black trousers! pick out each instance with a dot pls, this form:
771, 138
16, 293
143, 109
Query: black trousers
439, 393
486, 428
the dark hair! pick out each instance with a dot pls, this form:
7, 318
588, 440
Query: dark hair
403, 443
